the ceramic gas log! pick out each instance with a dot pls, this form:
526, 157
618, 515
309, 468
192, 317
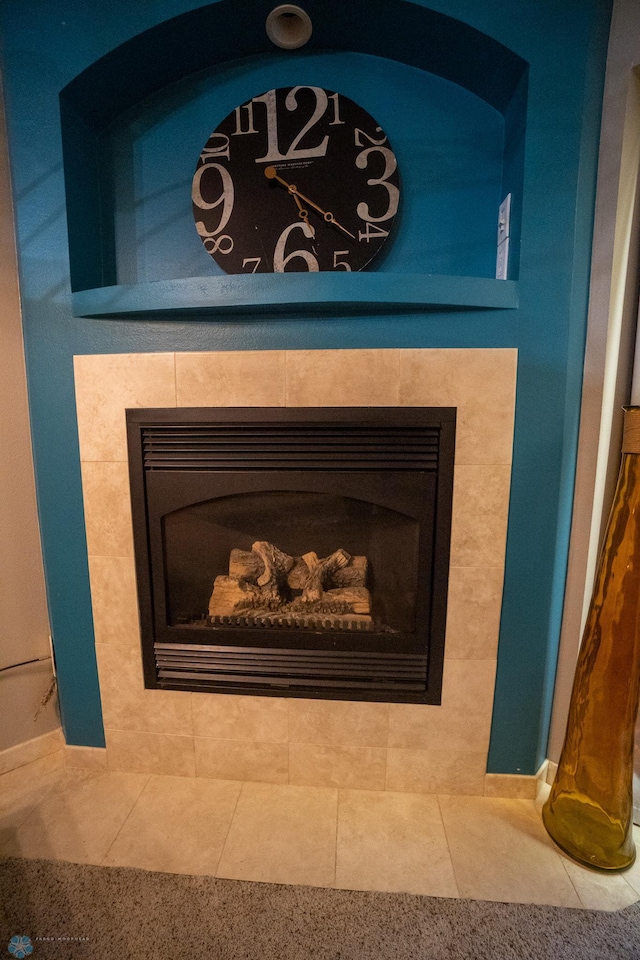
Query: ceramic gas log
267, 587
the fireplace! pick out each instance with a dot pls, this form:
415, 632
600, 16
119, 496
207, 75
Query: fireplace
347, 743
298, 552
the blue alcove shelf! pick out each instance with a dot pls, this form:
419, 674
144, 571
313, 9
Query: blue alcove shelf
131, 139
319, 294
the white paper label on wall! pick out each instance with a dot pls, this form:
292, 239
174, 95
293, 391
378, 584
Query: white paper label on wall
504, 224
502, 260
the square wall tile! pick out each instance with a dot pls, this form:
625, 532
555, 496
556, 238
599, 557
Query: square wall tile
338, 722
127, 705
342, 378
337, 766
114, 600
480, 511
512, 786
107, 509
242, 760
436, 771
150, 753
461, 722
251, 378
109, 383
481, 383
226, 716
473, 612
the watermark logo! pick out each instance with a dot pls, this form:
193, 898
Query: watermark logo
20, 947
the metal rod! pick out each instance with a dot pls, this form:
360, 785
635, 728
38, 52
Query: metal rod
24, 663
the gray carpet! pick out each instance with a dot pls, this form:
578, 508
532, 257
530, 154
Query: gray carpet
128, 913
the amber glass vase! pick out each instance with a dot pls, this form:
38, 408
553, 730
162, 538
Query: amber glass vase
589, 810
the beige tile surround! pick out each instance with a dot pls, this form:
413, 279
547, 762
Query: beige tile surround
312, 743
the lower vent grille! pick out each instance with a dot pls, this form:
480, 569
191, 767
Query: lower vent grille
255, 667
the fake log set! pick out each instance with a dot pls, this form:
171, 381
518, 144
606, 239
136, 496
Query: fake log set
271, 588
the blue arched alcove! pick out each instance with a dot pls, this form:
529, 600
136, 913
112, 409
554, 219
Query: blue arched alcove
453, 101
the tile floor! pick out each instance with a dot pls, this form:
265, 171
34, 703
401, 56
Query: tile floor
445, 846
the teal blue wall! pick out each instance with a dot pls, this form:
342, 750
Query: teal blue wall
45, 45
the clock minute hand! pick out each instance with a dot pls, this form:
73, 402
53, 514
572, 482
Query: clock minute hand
271, 174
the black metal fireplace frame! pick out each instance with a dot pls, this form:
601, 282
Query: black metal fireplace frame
255, 661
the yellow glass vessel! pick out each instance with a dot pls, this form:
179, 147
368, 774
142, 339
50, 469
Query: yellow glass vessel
589, 810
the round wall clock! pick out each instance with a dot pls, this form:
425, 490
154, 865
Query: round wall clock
298, 179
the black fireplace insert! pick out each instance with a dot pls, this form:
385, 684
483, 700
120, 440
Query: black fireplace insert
296, 552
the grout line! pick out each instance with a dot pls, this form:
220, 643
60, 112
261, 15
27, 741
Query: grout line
199, 736
43, 756
565, 860
231, 819
570, 879
149, 733
133, 806
108, 556
446, 837
631, 887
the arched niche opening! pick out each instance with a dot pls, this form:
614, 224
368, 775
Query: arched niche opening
461, 116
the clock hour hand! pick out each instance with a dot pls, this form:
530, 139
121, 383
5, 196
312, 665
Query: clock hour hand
271, 174
304, 214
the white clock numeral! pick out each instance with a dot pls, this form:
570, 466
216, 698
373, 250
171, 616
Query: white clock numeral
340, 263
390, 165
254, 260
360, 134
336, 110
280, 261
217, 146
226, 197
239, 132
215, 244
372, 232
294, 152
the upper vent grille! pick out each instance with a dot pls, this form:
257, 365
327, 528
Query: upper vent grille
289, 446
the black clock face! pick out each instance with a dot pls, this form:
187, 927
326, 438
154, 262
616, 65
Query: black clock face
298, 179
